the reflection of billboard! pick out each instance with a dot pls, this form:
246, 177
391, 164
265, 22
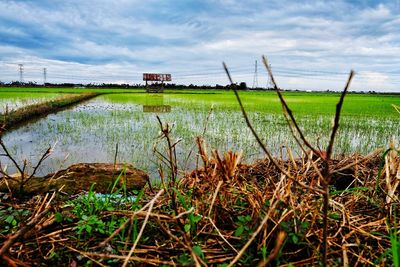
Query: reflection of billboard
157, 108
156, 77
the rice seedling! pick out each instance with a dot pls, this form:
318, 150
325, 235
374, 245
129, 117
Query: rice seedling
13, 100
14, 118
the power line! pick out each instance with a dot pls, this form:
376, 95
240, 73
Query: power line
199, 74
211, 71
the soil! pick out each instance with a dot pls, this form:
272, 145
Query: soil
80, 177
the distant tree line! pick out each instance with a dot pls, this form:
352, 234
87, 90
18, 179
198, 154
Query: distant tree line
240, 86
68, 85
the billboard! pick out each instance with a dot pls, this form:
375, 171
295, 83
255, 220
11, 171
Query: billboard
156, 77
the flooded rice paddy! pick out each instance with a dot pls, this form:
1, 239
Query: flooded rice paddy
90, 132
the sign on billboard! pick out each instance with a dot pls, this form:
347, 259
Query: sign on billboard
156, 77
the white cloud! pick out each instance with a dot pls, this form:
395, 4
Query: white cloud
379, 12
125, 37
375, 78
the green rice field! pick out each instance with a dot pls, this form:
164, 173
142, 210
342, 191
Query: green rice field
11, 100
91, 131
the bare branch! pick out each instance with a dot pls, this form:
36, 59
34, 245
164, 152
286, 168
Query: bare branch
337, 116
44, 156
287, 110
264, 148
327, 173
248, 120
9, 156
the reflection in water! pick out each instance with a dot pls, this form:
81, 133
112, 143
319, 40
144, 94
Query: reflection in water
155, 103
157, 108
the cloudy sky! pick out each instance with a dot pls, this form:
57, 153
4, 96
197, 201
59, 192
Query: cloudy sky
310, 44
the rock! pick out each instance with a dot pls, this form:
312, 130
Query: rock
81, 176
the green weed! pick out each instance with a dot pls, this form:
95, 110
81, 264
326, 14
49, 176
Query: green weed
395, 243
243, 226
193, 219
10, 219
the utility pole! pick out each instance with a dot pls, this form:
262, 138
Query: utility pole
21, 73
44, 76
255, 79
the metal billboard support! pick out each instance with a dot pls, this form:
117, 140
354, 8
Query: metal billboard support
152, 79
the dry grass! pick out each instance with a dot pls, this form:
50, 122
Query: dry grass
278, 216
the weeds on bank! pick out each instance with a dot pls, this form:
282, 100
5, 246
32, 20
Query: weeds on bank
11, 218
395, 243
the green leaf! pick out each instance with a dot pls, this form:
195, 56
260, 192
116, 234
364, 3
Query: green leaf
295, 239
80, 229
110, 208
335, 216
93, 219
10, 218
184, 260
100, 230
264, 252
58, 216
197, 218
88, 229
198, 251
239, 231
305, 225
242, 219
286, 226
187, 228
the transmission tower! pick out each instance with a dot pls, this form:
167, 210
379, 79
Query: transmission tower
44, 76
21, 73
269, 81
255, 79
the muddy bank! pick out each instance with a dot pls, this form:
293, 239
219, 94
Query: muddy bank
16, 118
80, 177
